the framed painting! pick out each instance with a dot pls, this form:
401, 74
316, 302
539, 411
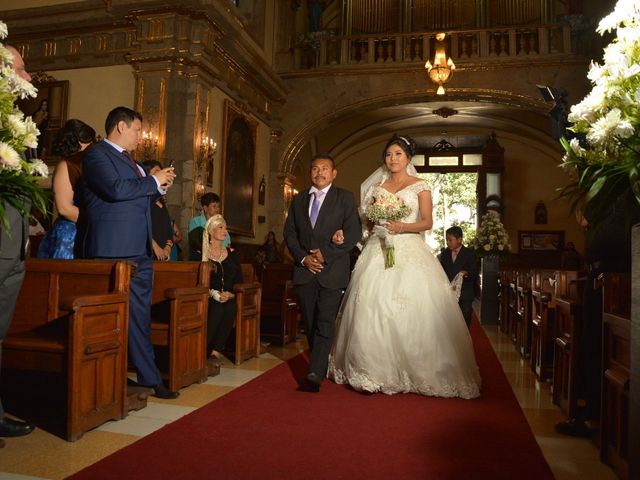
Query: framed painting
239, 170
48, 111
540, 240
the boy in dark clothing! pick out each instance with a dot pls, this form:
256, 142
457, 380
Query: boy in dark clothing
457, 258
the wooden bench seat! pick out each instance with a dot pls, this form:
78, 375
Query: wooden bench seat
568, 298
616, 366
542, 323
71, 320
179, 321
244, 340
279, 307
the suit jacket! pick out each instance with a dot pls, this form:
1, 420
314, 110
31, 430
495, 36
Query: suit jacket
338, 211
14, 246
115, 205
466, 260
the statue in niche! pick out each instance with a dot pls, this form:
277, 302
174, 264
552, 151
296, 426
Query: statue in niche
315, 9
540, 215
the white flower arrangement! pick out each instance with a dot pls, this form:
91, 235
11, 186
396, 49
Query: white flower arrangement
605, 158
491, 238
18, 178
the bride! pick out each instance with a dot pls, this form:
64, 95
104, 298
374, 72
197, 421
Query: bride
400, 328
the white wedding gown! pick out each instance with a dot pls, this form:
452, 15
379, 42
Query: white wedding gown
400, 329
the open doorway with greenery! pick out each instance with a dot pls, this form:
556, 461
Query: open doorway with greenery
454, 203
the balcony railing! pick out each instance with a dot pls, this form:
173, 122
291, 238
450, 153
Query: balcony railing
321, 49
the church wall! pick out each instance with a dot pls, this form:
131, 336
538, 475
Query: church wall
94, 92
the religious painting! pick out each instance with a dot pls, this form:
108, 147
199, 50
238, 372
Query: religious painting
48, 111
209, 169
239, 170
540, 241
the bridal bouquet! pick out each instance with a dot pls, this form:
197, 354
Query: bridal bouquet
18, 178
386, 207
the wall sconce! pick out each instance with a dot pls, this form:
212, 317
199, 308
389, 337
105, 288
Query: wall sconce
149, 145
442, 69
199, 186
207, 150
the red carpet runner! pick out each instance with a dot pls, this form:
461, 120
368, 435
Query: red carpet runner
268, 430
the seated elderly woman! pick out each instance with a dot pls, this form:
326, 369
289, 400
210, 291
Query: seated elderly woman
226, 271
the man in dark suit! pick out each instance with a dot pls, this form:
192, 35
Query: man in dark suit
321, 267
457, 258
13, 245
115, 222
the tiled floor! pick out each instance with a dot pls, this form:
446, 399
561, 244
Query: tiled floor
44, 456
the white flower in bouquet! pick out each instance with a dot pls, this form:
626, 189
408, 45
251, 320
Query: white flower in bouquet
386, 207
18, 178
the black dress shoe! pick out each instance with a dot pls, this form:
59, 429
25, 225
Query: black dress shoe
307, 386
160, 391
14, 428
315, 379
574, 428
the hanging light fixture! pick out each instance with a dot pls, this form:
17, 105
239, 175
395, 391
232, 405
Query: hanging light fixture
442, 69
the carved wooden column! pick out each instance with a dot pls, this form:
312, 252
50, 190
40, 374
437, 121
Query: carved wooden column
173, 93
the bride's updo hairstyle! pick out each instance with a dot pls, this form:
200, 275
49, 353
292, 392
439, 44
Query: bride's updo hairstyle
406, 143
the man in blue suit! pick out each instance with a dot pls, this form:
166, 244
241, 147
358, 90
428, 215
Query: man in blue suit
115, 222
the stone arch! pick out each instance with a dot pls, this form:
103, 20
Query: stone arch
299, 139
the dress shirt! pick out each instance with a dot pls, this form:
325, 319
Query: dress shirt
321, 198
454, 253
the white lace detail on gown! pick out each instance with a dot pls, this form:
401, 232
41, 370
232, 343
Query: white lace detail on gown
400, 329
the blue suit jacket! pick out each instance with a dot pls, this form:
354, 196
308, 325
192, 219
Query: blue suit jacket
116, 206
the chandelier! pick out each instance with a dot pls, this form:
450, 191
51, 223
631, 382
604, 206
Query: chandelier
442, 69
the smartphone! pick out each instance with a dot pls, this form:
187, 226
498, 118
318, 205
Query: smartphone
171, 163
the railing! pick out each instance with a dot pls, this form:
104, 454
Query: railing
464, 46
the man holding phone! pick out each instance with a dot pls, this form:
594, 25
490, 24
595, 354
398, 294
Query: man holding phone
115, 206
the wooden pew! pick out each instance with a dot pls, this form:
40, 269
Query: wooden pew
180, 303
513, 306
616, 361
542, 323
523, 314
279, 307
244, 341
504, 278
71, 323
568, 298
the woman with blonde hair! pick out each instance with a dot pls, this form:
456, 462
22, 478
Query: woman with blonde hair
226, 271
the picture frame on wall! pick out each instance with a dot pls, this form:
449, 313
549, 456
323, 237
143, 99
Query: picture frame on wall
48, 111
540, 240
239, 170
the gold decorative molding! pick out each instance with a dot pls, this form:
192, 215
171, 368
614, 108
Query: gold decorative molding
42, 77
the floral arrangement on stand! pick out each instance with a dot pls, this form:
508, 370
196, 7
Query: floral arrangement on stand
18, 177
604, 156
491, 238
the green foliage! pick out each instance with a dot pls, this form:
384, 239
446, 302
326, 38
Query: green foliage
454, 204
